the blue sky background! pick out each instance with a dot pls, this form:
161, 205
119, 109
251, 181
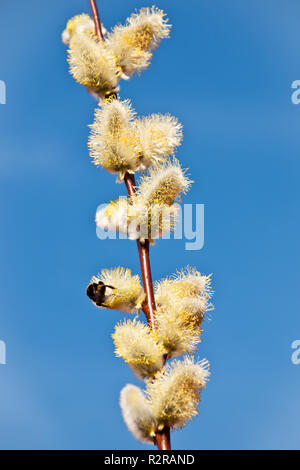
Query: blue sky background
226, 73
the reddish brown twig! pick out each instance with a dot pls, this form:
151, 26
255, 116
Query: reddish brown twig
162, 437
149, 306
95, 12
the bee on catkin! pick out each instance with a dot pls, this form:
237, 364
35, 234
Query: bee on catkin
116, 289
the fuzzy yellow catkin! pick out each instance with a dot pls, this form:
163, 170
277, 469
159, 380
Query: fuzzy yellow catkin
120, 143
175, 392
133, 43
91, 62
186, 294
137, 413
136, 219
181, 305
177, 333
112, 141
83, 24
161, 220
164, 184
158, 135
138, 346
114, 217
153, 210
123, 216
127, 295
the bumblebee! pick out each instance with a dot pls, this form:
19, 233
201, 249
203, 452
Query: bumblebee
96, 292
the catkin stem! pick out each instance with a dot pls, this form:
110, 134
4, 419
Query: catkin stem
163, 441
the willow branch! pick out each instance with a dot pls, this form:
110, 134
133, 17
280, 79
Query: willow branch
96, 17
149, 306
162, 438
